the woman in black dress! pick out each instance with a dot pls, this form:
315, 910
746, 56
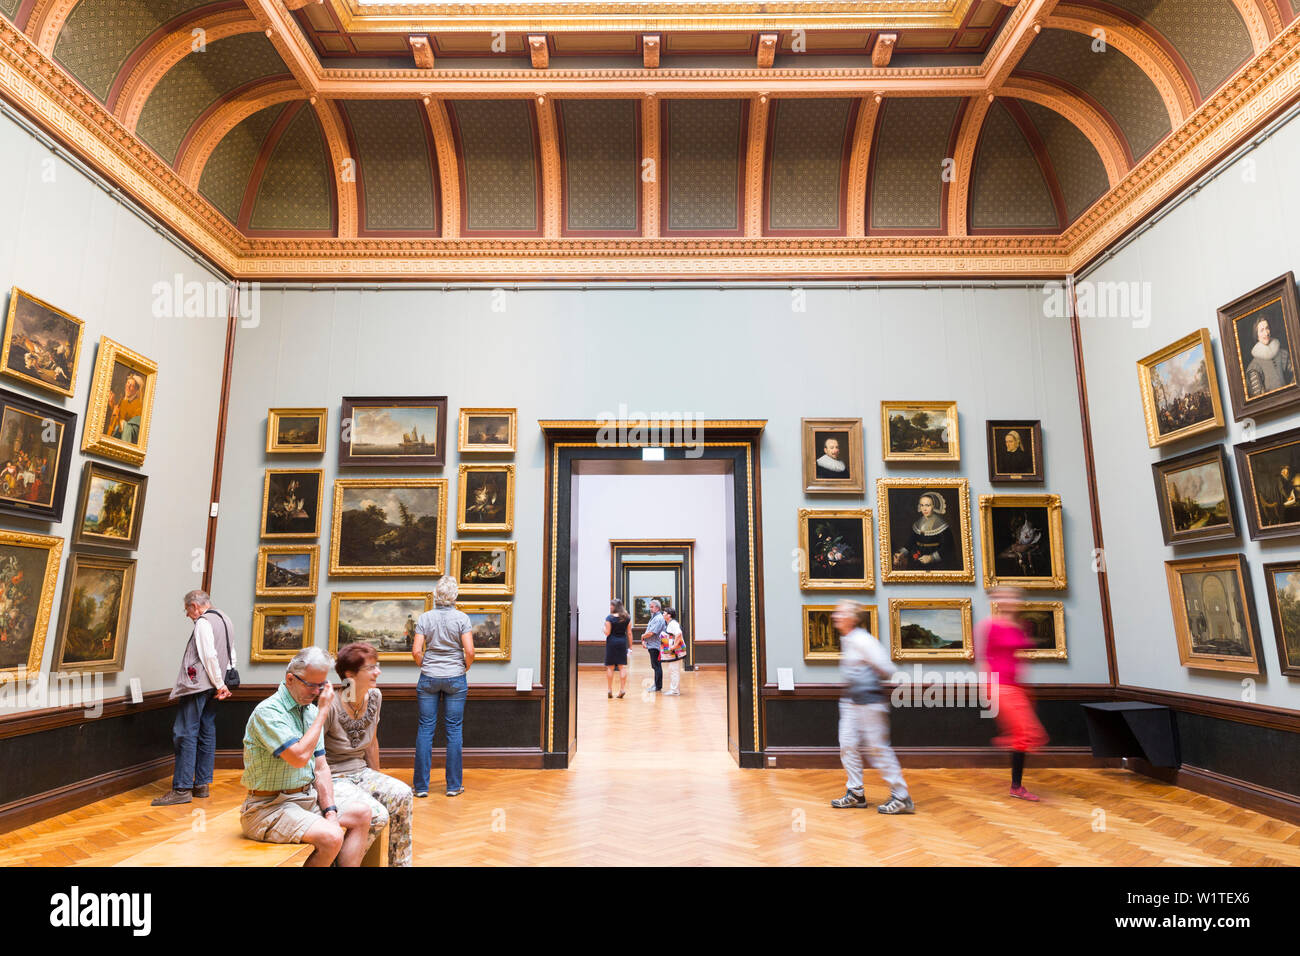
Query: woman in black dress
616, 647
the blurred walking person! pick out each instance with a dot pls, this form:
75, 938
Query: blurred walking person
999, 637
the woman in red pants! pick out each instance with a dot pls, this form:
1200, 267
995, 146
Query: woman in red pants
999, 638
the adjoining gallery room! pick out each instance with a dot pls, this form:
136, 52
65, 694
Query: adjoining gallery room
779, 434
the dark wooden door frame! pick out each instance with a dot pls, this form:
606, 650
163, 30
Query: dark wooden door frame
670, 549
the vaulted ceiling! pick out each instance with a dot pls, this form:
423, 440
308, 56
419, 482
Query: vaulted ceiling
315, 128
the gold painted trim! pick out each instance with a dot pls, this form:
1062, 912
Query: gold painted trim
1056, 545
257, 653
486, 590
939, 482
93, 439
463, 443
809, 655
1200, 337
76, 561
14, 295
273, 416
954, 429
320, 501
265, 550
53, 548
463, 524
896, 651
336, 597
485, 607
392, 570
868, 580
1055, 653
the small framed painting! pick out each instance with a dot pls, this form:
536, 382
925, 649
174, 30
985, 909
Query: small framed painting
121, 403
1283, 580
930, 630
641, 611
1214, 614
490, 625
394, 432
291, 502
389, 527
1023, 541
925, 530
385, 619
487, 498
29, 570
41, 344
287, 570
96, 613
1194, 494
487, 430
836, 550
821, 641
1258, 332
1044, 624
832, 456
1269, 472
110, 508
281, 630
484, 567
295, 430
1180, 390
36, 442
1015, 450
919, 431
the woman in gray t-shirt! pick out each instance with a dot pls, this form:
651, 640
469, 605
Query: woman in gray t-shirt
444, 649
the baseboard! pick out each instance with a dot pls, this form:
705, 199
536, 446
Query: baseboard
1239, 793
923, 758
29, 810
489, 758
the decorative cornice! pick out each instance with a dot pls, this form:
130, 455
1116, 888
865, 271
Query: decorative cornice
344, 163
448, 167
859, 164
755, 155
963, 162
549, 140
650, 149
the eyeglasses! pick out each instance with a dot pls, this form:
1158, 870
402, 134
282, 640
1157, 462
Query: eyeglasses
308, 683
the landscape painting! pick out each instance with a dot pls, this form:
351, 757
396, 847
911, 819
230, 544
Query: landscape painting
930, 629
111, 507
1193, 494
1283, 580
295, 430
389, 526
96, 613
490, 625
281, 630
383, 619
641, 613
29, 567
919, 431
287, 570
487, 430
41, 344
394, 432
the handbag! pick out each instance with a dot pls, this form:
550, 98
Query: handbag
232, 675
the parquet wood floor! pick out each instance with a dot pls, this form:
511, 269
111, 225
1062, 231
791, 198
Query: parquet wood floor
652, 784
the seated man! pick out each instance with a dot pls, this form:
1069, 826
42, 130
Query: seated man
287, 776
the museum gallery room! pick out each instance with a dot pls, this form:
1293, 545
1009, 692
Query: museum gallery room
888, 405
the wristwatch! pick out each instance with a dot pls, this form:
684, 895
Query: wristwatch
328, 809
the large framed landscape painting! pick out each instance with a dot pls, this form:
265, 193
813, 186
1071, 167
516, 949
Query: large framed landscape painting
384, 619
41, 344
110, 507
389, 526
1194, 494
36, 442
835, 547
291, 502
490, 625
96, 613
1023, 541
121, 403
287, 570
1214, 614
484, 567
1180, 390
925, 530
29, 569
1269, 472
394, 432
919, 431
930, 630
281, 630
1260, 332
1283, 580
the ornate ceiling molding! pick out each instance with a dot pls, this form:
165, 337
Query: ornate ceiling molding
1081, 113
448, 167
755, 157
1256, 24
650, 152
283, 32
549, 140
1023, 24
344, 165
968, 137
859, 165
217, 122
46, 21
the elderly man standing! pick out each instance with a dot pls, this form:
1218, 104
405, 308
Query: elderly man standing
201, 681
290, 787
650, 640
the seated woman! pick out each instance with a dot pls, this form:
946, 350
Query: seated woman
352, 750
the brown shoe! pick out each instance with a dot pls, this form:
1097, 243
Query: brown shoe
172, 798
200, 791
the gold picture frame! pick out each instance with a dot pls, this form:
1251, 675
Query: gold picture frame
827, 543
292, 517
1023, 552
819, 463
456, 568
105, 416
465, 431
424, 598
895, 449
904, 649
1056, 612
488, 502
1213, 605
74, 602
37, 604
58, 364
486, 652
262, 589
1148, 368
818, 627
275, 441
345, 564
908, 492
259, 653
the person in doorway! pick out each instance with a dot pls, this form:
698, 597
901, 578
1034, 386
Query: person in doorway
650, 640
864, 713
999, 637
616, 648
672, 651
444, 649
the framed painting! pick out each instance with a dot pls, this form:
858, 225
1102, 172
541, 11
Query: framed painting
486, 430
821, 641
110, 508
389, 526
930, 630
1194, 494
919, 431
1015, 450
487, 498
394, 432
832, 456
1283, 580
1268, 470
641, 613
1180, 390
925, 530
1023, 541
36, 442
281, 630
291, 502
836, 550
1044, 624
385, 619
287, 570
1258, 331
96, 613
29, 570
484, 567
121, 403
41, 344
490, 625
295, 430
1214, 614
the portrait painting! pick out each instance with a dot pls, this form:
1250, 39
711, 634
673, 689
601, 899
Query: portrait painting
96, 613
930, 630
110, 509
29, 568
1015, 450
925, 531
295, 430
41, 344
121, 403
835, 549
490, 625
1268, 470
1260, 332
36, 442
919, 431
1023, 541
1044, 625
287, 570
394, 432
291, 502
389, 526
487, 498
385, 620
641, 613
281, 630
487, 430
821, 639
1193, 492
484, 567
1180, 390
1283, 579
832, 456
1214, 614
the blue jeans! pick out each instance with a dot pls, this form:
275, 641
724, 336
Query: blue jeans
194, 738
429, 692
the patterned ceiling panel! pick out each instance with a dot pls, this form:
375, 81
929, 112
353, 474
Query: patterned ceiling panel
225, 177
1209, 34
806, 163
198, 81
9, 7
100, 35
1007, 186
499, 164
601, 167
394, 163
704, 142
912, 141
1109, 77
1079, 170
297, 190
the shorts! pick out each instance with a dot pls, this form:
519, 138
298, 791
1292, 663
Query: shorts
280, 818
